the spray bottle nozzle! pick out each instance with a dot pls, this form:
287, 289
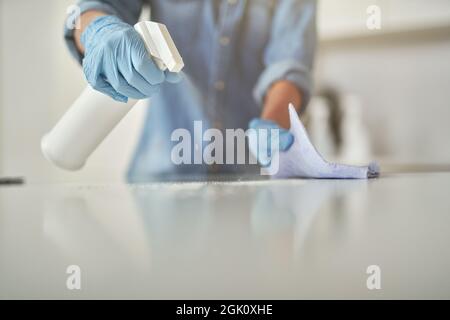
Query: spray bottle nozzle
160, 45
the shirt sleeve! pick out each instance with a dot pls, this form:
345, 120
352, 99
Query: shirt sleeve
129, 11
289, 54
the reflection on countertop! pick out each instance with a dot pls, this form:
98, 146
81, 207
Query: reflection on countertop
228, 239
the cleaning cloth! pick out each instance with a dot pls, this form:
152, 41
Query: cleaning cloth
303, 160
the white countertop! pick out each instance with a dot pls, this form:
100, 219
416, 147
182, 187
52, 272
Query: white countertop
262, 239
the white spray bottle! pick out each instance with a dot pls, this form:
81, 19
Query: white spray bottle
94, 115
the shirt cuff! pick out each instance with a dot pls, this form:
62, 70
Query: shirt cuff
290, 70
70, 24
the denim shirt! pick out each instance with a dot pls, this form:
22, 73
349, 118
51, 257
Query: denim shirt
233, 51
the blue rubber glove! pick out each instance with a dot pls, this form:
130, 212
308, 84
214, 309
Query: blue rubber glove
117, 63
263, 130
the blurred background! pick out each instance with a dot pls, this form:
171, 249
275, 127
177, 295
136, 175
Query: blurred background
381, 94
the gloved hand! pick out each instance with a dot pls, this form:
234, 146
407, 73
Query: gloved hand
263, 130
117, 63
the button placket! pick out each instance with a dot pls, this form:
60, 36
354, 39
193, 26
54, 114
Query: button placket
229, 16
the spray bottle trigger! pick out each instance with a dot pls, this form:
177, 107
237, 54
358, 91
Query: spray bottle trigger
160, 45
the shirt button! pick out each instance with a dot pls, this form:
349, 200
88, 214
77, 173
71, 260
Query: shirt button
219, 85
224, 41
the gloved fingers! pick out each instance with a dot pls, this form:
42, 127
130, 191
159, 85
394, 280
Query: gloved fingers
259, 145
286, 139
173, 77
143, 64
263, 143
104, 87
98, 82
267, 139
279, 139
123, 87
118, 82
263, 152
258, 123
135, 80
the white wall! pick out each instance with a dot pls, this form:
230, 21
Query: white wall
401, 72
347, 18
404, 82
